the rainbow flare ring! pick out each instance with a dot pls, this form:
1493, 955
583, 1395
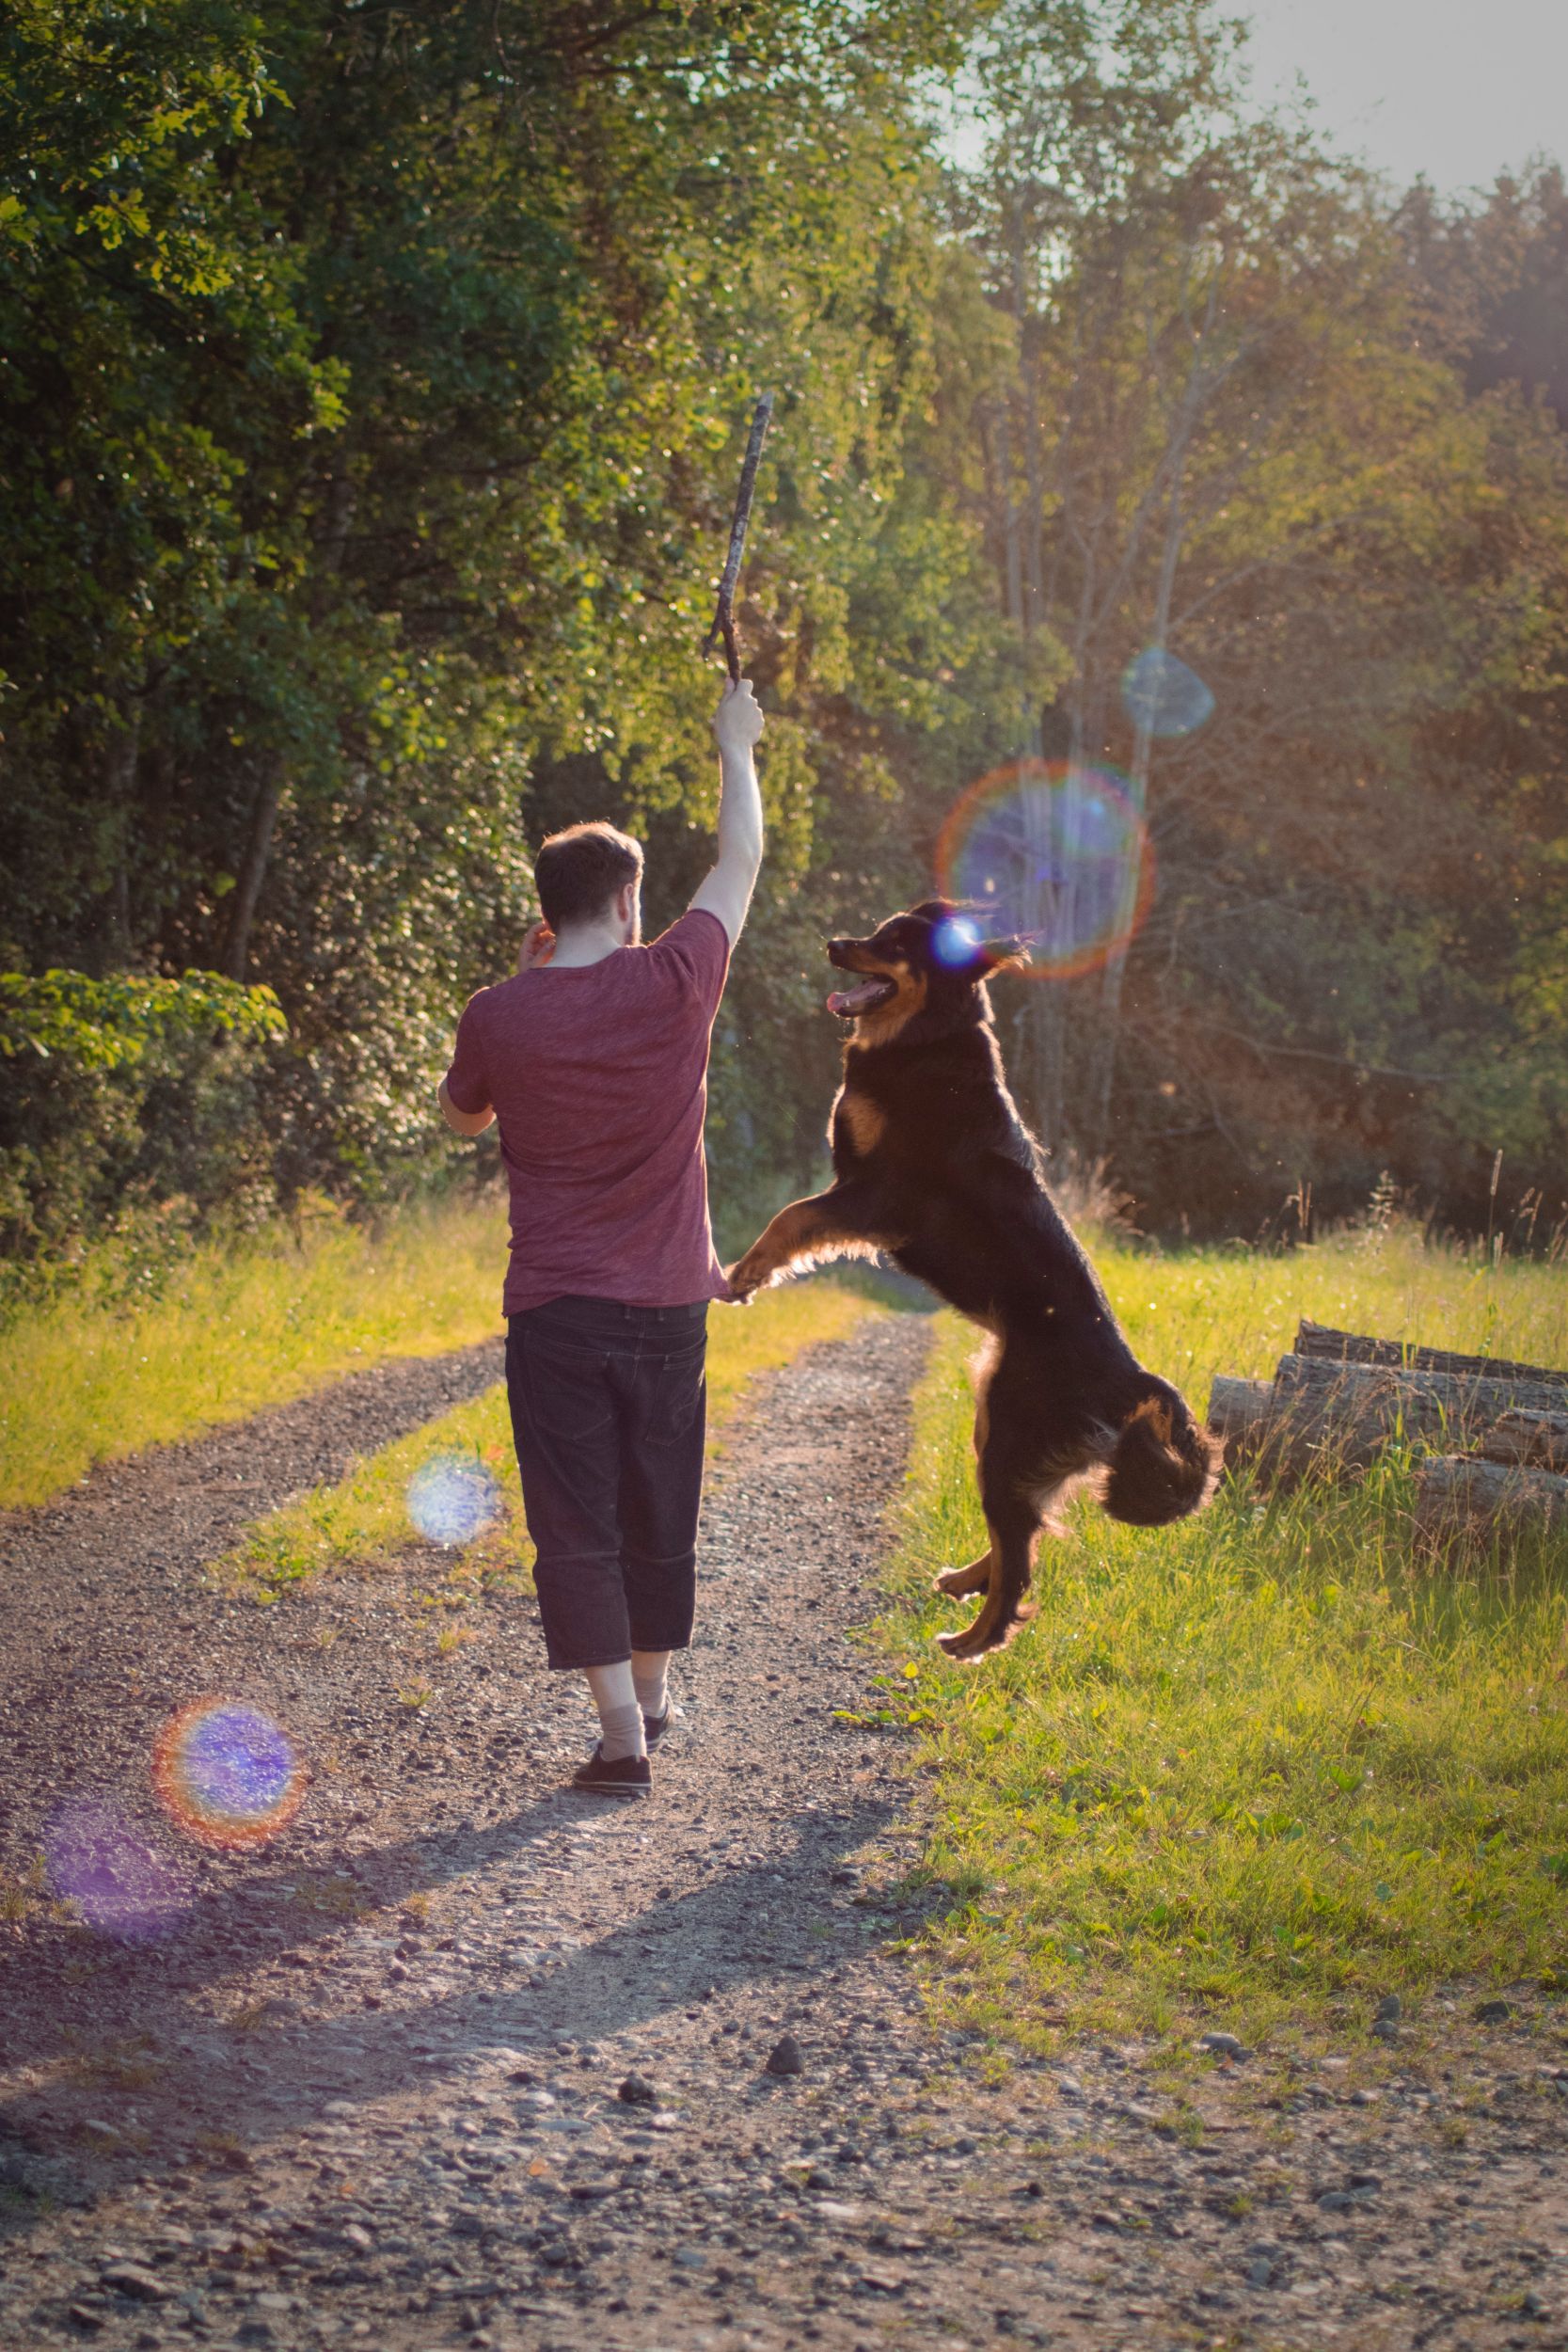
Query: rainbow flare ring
226, 1773
1055, 851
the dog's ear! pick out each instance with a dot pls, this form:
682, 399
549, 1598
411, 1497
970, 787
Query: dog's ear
1011, 953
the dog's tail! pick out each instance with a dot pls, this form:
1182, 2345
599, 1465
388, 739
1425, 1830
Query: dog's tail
1161, 1464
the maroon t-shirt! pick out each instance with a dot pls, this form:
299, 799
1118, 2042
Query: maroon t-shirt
598, 1079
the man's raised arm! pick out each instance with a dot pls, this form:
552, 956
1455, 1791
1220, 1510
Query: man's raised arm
727, 891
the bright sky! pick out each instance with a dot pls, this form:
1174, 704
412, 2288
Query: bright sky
1458, 89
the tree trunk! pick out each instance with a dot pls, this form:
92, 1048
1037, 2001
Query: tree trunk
1143, 756
119, 781
253, 869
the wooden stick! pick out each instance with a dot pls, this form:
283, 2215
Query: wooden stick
724, 617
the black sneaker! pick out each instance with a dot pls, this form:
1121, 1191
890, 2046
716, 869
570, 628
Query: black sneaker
628, 1776
655, 1727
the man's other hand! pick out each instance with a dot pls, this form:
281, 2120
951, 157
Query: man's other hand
462, 1123
538, 946
737, 721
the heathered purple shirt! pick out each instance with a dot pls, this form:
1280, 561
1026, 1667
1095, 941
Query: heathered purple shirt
598, 1079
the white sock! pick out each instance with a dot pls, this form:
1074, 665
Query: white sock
650, 1675
620, 1716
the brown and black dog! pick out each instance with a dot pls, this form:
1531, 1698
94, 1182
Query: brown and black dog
933, 1167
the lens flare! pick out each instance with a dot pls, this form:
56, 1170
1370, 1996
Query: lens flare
228, 1773
955, 940
122, 1882
1054, 852
1162, 696
453, 1497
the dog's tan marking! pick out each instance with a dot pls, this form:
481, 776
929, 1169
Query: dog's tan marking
1157, 1413
865, 1122
881, 1026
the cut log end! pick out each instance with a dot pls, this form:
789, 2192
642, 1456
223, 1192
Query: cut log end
1238, 1414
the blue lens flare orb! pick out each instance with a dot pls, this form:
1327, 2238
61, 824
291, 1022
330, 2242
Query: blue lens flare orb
120, 1882
453, 1498
1053, 854
1164, 697
226, 1773
956, 942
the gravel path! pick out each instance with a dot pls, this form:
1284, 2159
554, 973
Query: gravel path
365, 2084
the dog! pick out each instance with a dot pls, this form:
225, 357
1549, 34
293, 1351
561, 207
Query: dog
933, 1166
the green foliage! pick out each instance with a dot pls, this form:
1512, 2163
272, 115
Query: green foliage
1270, 1761
371, 411
116, 1023
371, 395
122, 1093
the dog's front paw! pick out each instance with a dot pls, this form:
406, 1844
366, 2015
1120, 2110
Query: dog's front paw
744, 1280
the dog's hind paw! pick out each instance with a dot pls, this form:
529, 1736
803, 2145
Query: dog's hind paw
961, 1580
991, 1630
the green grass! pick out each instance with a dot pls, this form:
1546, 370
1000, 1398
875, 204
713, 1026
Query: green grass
365, 1518
235, 1328
1268, 1764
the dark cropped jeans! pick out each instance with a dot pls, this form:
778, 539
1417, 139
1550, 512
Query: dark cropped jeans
608, 1408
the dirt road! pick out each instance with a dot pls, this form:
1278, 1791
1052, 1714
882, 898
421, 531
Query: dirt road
461, 2056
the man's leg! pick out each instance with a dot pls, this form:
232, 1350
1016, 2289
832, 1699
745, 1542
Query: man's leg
662, 1427
565, 1425
615, 1695
650, 1678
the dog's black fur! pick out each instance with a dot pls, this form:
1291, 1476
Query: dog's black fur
933, 1167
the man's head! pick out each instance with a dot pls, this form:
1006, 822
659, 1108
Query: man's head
590, 874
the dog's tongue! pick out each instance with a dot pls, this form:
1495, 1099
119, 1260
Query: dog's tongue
845, 1002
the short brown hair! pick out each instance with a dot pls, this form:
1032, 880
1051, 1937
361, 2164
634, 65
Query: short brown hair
577, 872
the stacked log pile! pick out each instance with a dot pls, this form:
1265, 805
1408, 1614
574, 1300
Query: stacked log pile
1495, 1433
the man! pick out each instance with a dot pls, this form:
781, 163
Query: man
594, 1061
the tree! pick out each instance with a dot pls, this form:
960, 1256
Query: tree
376, 454
1225, 436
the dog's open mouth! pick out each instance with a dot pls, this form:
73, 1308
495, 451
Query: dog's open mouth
865, 996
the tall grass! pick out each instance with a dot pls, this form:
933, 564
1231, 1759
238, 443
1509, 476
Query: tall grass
232, 1328
1270, 1761
366, 1516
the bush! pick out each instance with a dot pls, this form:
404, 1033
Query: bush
128, 1094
